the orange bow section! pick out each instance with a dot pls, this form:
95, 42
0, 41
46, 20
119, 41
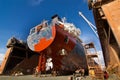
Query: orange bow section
43, 43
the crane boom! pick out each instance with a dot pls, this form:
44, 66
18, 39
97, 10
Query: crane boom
94, 29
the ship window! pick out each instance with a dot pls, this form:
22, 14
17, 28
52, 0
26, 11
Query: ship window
66, 40
32, 31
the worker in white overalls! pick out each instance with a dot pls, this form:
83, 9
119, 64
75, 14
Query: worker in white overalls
49, 64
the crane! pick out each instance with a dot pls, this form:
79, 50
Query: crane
94, 29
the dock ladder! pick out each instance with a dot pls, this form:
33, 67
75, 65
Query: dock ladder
94, 66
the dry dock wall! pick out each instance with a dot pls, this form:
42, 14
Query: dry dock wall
107, 19
19, 59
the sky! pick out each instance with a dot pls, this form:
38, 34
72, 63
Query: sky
17, 17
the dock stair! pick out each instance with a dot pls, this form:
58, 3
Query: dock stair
94, 66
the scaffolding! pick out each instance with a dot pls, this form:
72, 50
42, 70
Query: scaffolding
94, 65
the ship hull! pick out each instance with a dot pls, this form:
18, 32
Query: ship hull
66, 51
59, 41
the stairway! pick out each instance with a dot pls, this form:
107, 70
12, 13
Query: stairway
94, 68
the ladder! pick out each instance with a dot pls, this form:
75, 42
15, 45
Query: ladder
93, 63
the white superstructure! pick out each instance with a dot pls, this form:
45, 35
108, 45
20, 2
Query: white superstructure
70, 27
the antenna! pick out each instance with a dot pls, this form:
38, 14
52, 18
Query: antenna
94, 29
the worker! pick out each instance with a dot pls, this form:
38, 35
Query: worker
36, 71
92, 73
106, 76
49, 64
78, 70
82, 72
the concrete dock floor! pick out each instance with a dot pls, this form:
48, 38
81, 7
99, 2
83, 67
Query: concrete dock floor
31, 77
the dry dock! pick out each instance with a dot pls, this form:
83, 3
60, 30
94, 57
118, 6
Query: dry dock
31, 77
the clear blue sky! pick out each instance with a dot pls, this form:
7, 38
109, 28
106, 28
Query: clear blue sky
18, 16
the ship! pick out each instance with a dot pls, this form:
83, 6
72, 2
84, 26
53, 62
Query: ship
53, 47
60, 43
